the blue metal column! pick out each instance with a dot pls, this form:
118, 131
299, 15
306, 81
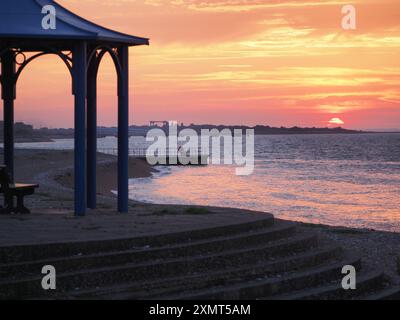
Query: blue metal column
123, 130
8, 96
92, 134
79, 68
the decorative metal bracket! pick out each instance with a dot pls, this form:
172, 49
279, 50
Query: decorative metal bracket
22, 61
97, 54
65, 57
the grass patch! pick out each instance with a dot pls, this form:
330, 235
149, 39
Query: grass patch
164, 212
187, 211
197, 210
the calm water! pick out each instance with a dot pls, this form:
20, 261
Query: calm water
350, 180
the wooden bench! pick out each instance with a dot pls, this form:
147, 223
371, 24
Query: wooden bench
11, 190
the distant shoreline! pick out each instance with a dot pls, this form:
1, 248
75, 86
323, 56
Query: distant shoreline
53, 138
25, 133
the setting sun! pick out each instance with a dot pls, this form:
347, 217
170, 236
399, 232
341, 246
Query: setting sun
336, 121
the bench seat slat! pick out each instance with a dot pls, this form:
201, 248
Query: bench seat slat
23, 186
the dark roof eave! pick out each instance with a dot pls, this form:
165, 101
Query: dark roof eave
131, 42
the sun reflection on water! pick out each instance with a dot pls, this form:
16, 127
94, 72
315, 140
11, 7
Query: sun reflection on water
360, 192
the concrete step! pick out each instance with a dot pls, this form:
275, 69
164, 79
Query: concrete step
332, 291
15, 254
208, 246
388, 293
270, 287
31, 286
176, 284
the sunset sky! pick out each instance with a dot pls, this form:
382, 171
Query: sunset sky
272, 62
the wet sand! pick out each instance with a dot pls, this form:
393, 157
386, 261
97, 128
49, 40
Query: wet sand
107, 173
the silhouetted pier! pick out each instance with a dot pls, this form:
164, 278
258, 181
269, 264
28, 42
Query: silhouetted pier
198, 158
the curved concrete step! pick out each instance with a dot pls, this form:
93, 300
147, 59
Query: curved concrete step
389, 293
175, 285
333, 291
214, 245
269, 287
130, 272
15, 254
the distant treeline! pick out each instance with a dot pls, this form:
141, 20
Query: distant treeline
264, 130
26, 133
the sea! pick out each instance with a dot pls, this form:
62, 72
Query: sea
350, 180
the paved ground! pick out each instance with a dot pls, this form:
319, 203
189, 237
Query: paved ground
143, 220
